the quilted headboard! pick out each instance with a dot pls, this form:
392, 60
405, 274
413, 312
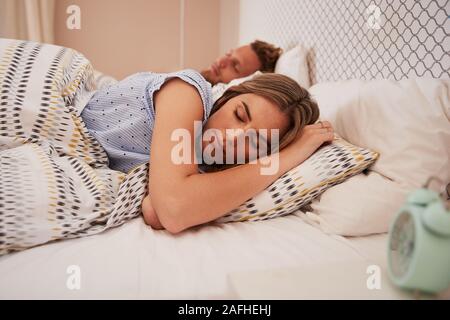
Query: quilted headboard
364, 39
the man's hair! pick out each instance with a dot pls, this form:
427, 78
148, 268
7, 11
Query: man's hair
267, 54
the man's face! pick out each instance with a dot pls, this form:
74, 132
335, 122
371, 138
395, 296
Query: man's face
237, 63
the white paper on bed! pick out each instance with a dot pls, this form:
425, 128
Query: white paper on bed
406, 121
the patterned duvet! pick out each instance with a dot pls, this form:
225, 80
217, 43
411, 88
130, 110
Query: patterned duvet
54, 177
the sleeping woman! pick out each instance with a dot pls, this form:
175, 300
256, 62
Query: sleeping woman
135, 121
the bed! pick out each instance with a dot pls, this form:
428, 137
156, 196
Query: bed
136, 262
133, 261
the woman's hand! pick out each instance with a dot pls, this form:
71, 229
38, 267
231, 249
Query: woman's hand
312, 137
150, 216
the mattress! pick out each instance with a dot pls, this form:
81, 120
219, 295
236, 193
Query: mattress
134, 261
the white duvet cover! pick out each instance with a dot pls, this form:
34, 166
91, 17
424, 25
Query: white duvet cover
136, 262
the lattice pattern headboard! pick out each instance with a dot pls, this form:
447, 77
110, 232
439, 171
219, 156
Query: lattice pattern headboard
354, 39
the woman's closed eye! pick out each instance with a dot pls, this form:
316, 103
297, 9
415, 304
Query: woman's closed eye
238, 116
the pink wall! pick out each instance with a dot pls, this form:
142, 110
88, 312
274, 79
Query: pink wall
201, 32
122, 37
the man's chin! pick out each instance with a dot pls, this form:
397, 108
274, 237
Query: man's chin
207, 74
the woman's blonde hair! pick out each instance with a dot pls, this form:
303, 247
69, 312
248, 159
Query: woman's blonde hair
287, 94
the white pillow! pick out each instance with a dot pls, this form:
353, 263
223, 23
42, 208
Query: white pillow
329, 165
219, 88
408, 122
362, 205
294, 64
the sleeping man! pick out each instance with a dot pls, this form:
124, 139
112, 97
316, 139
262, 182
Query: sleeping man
243, 61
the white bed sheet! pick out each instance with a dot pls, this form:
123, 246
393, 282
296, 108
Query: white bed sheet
136, 262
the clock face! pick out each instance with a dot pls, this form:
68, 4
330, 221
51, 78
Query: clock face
402, 244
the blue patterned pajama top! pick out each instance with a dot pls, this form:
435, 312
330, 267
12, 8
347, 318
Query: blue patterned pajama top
121, 117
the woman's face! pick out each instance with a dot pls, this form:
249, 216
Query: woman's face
242, 116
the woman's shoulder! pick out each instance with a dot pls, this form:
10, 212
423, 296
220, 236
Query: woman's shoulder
195, 79
153, 81
189, 75
192, 76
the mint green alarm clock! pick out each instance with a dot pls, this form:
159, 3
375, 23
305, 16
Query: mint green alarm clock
419, 243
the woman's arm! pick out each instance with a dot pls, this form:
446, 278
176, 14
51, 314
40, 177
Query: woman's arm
150, 216
180, 195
